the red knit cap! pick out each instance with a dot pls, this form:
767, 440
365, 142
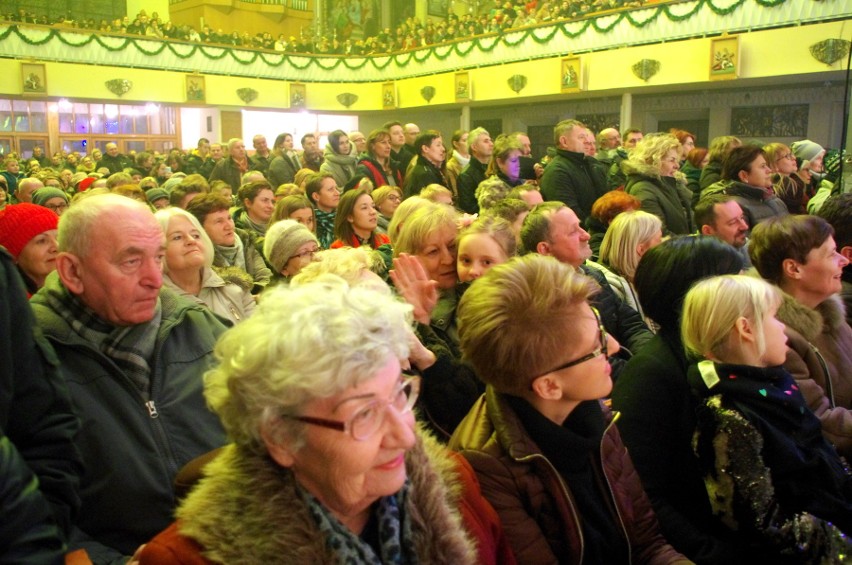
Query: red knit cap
19, 223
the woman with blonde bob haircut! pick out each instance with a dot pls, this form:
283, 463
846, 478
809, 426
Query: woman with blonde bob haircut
653, 178
770, 474
326, 464
187, 268
540, 439
630, 235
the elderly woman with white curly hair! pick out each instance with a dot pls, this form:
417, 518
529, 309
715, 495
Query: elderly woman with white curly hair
653, 178
326, 464
187, 268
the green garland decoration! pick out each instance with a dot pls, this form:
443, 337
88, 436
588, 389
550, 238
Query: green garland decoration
485, 44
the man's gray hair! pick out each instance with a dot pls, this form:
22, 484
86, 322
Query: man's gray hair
80, 223
474, 135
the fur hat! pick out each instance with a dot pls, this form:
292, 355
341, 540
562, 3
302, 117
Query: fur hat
806, 150
19, 223
283, 239
42, 195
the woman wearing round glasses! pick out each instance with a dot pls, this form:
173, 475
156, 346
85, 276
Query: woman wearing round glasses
546, 450
326, 465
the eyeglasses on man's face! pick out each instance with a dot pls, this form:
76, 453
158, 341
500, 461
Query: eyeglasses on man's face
368, 419
602, 349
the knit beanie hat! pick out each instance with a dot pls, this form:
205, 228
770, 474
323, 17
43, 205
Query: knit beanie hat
806, 150
19, 223
283, 239
155, 194
42, 195
85, 183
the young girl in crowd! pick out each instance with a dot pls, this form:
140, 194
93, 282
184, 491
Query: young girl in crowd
769, 472
487, 242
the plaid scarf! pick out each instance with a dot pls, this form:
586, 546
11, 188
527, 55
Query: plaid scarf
129, 347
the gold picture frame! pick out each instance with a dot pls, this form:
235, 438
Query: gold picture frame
571, 75
388, 96
195, 89
725, 58
298, 96
462, 87
33, 79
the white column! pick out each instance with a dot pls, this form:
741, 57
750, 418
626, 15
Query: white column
464, 119
627, 111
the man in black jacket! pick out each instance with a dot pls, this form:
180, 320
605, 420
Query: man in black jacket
480, 147
570, 176
553, 229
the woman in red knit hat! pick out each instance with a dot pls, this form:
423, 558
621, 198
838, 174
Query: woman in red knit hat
28, 232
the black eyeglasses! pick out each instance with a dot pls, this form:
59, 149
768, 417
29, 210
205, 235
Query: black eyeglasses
603, 348
369, 418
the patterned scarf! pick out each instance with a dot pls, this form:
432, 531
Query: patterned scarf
129, 347
325, 227
394, 532
232, 256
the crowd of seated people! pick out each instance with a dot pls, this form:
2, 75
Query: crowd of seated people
344, 40
345, 344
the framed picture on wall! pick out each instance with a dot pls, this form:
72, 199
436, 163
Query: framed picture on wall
195, 90
388, 96
462, 87
298, 97
439, 8
571, 75
725, 57
33, 78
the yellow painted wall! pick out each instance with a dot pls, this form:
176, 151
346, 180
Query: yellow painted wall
767, 53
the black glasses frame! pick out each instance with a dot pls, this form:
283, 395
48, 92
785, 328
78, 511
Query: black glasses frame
603, 349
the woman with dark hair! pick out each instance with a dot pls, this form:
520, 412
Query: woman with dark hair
657, 409
798, 254
336, 159
285, 163
716, 153
355, 221
377, 164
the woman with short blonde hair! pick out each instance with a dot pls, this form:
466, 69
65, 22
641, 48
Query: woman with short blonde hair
187, 268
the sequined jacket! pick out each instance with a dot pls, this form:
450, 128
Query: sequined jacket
768, 471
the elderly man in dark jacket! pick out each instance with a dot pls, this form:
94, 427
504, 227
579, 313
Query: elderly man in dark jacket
571, 176
133, 355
